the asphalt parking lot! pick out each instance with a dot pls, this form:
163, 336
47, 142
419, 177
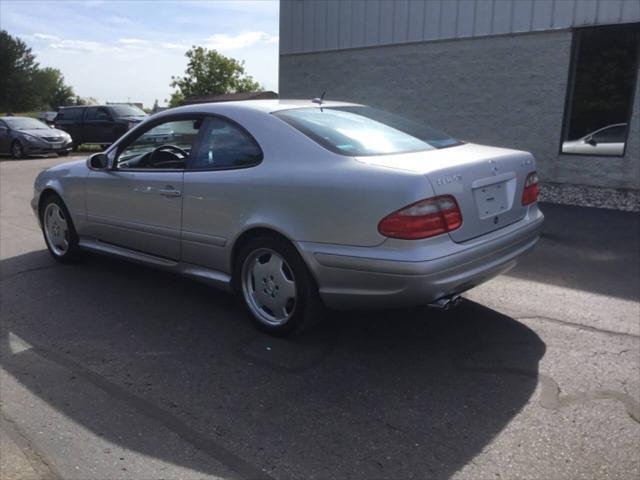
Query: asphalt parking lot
112, 370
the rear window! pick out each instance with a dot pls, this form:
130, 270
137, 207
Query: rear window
364, 131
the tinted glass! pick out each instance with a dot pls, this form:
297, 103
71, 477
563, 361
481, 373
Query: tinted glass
71, 113
97, 113
127, 111
611, 135
225, 145
23, 123
164, 146
102, 114
90, 115
362, 131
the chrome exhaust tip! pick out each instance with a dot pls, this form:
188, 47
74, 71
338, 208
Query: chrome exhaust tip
446, 303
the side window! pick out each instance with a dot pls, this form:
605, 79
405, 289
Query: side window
614, 134
224, 145
71, 113
102, 114
164, 146
91, 113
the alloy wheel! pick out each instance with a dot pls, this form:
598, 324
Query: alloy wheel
56, 229
268, 286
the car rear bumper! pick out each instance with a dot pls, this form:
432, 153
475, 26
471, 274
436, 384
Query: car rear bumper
401, 273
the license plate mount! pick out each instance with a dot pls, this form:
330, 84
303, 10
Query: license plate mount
491, 199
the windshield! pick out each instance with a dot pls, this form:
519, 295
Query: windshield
24, 123
363, 131
127, 111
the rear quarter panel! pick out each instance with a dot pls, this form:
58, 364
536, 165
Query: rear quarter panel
300, 189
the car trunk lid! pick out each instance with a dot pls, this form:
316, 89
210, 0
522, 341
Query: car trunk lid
487, 182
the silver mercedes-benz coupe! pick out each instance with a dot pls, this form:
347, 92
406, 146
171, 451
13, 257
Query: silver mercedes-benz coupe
296, 205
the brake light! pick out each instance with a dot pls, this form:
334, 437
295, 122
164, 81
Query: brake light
530, 192
423, 219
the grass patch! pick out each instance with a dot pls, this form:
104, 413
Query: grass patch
25, 114
84, 147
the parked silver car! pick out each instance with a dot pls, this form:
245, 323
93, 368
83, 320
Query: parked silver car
608, 140
294, 205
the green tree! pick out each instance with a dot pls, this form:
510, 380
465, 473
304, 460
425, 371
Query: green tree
17, 68
210, 73
51, 89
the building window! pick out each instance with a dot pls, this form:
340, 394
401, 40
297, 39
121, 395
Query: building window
601, 88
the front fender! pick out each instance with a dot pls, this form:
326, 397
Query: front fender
68, 182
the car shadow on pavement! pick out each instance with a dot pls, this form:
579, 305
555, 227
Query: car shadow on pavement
393, 394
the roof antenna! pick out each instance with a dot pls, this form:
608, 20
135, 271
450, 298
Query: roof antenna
319, 100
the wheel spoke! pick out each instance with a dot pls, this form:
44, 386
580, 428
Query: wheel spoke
260, 271
287, 289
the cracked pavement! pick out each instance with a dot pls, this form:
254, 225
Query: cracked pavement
114, 370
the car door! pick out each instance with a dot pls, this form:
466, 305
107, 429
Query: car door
216, 191
5, 138
98, 125
137, 203
610, 140
70, 119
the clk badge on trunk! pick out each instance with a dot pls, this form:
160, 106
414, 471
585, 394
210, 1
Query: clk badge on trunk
449, 179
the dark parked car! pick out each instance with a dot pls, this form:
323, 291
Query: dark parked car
22, 136
98, 124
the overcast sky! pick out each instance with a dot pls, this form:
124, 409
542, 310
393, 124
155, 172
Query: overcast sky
120, 50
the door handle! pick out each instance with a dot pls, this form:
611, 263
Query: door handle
169, 192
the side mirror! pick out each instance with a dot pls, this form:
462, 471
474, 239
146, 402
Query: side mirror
591, 141
98, 161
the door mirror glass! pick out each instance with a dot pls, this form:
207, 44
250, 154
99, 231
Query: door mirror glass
98, 161
590, 141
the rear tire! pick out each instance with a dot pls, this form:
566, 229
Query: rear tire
17, 150
275, 286
58, 229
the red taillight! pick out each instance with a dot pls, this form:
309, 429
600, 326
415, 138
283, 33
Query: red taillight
530, 192
423, 219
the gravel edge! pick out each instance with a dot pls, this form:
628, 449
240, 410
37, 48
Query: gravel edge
611, 198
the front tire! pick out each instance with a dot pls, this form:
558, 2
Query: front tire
59, 232
17, 150
275, 285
